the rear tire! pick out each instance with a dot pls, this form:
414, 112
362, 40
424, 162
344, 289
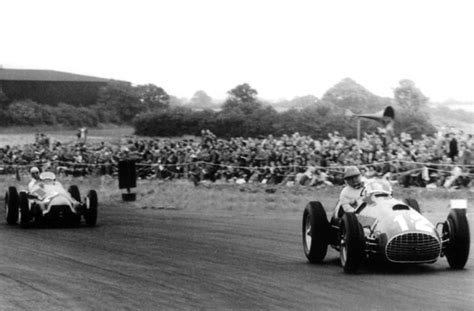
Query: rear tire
11, 206
25, 214
315, 232
352, 243
413, 204
90, 213
456, 227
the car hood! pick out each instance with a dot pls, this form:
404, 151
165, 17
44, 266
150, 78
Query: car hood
53, 194
394, 217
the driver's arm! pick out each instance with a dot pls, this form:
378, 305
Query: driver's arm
31, 184
349, 199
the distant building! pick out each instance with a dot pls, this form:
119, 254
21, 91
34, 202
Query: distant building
50, 87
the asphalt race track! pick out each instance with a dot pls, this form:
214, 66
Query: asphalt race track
159, 259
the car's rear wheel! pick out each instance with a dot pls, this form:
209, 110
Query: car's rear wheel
413, 204
352, 246
90, 213
11, 206
75, 193
315, 232
25, 214
456, 228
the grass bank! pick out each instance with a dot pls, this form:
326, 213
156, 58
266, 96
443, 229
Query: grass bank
254, 198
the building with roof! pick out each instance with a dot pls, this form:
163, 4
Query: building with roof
50, 87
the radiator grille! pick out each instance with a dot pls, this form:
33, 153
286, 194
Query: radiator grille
413, 247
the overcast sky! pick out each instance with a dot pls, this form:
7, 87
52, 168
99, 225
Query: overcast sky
281, 48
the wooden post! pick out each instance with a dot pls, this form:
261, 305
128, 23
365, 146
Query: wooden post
358, 129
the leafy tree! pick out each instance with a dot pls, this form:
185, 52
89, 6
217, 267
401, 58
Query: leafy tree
4, 100
69, 115
413, 122
242, 98
28, 112
287, 122
120, 99
229, 125
177, 102
260, 122
296, 103
348, 94
153, 97
408, 96
200, 99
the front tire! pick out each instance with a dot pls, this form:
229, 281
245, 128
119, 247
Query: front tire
352, 245
90, 213
456, 228
11, 206
315, 232
25, 214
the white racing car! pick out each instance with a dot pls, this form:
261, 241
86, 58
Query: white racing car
48, 201
388, 229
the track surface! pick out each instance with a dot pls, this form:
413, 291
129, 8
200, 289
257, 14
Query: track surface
150, 259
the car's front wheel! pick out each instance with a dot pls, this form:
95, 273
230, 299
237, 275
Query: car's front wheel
25, 214
11, 206
352, 246
456, 228
315, 232
90, 213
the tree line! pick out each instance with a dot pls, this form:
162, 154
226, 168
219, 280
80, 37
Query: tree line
243, 114
153, 112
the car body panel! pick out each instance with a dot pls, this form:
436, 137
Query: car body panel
393, 217
52, 194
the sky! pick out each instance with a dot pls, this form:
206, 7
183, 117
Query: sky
281, 48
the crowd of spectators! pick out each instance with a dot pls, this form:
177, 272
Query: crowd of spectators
443, 160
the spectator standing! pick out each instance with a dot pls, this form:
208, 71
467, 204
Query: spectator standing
453, 148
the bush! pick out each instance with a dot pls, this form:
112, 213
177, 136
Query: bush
28, 112
413, 122
170, 122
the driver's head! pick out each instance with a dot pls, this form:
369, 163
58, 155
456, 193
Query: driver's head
34, 171
352, 177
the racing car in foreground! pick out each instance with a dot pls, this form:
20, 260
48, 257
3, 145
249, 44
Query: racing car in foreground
386, 229
47, 201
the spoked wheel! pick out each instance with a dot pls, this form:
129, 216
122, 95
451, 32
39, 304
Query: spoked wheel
315, 232
11, 206
352, 245
25, 214
90, 213
456, 228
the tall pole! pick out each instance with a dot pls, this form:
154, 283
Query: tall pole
358, 129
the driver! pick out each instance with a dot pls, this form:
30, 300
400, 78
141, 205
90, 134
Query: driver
35, 178
350, 196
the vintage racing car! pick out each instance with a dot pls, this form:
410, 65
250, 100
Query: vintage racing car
387, 229
48, 201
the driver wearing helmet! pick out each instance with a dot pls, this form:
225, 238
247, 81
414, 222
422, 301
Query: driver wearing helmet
35, 178
351, 195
